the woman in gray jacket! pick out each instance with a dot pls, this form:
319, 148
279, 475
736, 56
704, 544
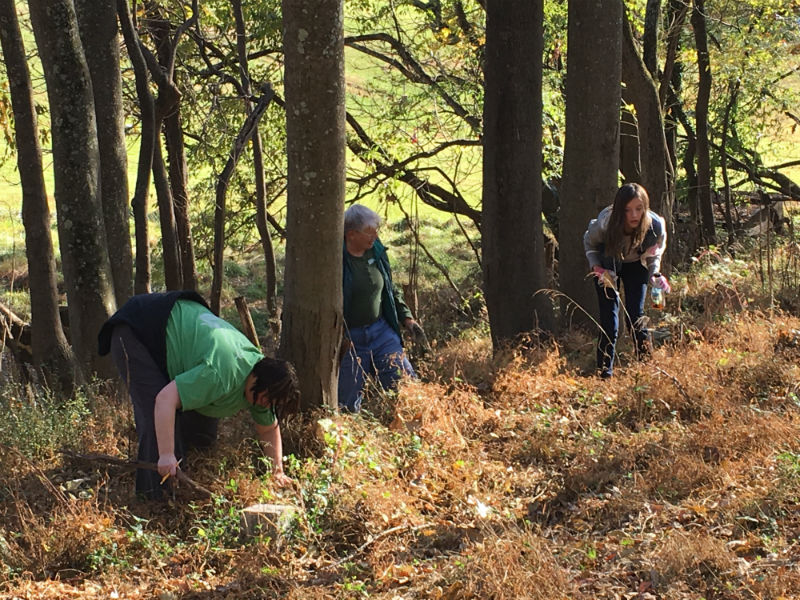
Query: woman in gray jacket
625, 244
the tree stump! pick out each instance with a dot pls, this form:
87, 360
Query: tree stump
272, 520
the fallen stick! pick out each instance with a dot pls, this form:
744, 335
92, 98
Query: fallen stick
675, 381
134, 464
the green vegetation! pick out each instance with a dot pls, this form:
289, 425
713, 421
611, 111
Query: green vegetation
515, 476
510, 475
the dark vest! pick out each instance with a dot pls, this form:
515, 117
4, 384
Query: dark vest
147, 315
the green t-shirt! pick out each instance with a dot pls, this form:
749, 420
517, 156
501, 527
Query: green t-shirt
210, 359
365, 300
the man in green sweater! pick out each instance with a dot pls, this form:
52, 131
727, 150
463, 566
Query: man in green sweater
185, 368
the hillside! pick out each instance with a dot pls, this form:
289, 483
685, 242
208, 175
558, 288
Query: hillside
516, 476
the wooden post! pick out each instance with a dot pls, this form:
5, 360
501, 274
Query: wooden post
247, 320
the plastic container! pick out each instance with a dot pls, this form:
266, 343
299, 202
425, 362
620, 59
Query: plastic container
657, 295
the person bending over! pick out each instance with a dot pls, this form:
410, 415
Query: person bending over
185, 368
625, 244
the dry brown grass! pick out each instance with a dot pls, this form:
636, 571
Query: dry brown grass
506, 476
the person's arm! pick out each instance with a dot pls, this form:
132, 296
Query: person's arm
270, 438
168, 401
652, 255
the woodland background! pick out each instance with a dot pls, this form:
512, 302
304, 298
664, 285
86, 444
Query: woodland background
214, 145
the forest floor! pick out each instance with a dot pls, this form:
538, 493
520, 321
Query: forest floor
518, 475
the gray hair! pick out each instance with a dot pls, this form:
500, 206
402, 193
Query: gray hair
359, 216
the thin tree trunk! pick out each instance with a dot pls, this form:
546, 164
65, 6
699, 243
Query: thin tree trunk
245, 134
51, 351
677, 15
140, 201
734, 89
657, 173
701, 124
76, 162
162, 69
180, 198
97, 21
258, 167
652, 17
173, 275
691, 175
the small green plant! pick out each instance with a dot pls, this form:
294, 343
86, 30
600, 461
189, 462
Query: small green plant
38, 427
218, 529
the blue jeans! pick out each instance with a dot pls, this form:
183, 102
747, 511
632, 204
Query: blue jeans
633, 277
144, 380
376, 350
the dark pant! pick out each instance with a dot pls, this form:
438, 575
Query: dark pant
633, 277
144, 380
376, 350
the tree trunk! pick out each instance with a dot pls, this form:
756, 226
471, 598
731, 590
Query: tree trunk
512, 171
630, 161
315, 142
656, 172
97, 20
167, 103
672, 76
652, 17
173, 275
676, 15
176, 152
140, 202
258, 167
76, 161
180, 198
701, 124
733, 86
591, 147
687, 162
51, 351
243, 137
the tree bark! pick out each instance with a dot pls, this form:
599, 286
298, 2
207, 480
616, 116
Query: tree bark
176, 154
258, 167
652, 17
76, 160
701, 124
591, 147
140, 203
173, 274
656, 172
50, 349
315, 132
726, 123
244, 136
173, 134
167, 103
97, 21
688, 164
512, 171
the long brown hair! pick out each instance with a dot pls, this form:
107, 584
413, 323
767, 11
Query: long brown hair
615, 244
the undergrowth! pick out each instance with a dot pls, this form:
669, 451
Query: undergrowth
513, 475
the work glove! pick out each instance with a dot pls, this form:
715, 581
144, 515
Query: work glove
418, 337
659, 281
415, 329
